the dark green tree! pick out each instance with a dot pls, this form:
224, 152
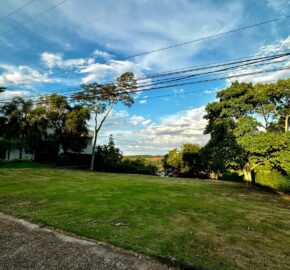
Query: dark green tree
15, 124
256, 113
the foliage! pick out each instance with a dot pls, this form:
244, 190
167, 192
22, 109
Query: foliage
268, 178
52, 122
245, 128
110, 158
107, 156
186, 162
15, 123
67, 124
222, 152
139, 165
99, 99
232, 176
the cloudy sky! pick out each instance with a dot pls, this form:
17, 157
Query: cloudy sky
98, 36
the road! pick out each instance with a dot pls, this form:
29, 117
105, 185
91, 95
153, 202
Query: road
24, 245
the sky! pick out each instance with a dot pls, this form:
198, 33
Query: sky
98, 36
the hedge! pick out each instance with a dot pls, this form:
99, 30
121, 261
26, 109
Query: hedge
273, 180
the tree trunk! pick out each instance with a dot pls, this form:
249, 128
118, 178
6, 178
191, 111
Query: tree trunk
287, 123
247, 171
9, 150
20, 152
94, 145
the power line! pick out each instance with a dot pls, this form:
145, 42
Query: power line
167, 73
212, 79
194, 82
16, 10
171, 95
246, 65
172, 46
208, 37
33, 18
212, 65
186, 77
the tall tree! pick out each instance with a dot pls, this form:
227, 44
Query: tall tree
256, 113
100, 99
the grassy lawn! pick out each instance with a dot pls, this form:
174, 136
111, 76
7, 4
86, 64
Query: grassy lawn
213, 224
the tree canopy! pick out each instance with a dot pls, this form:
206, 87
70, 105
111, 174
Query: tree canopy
249, 126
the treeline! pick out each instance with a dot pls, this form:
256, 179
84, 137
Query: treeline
54, 124
43, 128
108, 158
249, 137
248, 127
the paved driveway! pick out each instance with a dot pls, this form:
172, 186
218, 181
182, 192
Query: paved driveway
24, 245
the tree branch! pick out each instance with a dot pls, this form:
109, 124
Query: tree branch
104, 118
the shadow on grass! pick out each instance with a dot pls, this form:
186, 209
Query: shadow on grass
20, 164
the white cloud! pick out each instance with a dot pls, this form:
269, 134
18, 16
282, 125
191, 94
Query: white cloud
147, 25
268, 49
102, 54
137, 135
144, 101
135, 120
7, 95
146, 122
52, 60
21, 75
109, 71
279, 5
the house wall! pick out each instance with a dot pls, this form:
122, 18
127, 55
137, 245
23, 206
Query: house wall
14, 154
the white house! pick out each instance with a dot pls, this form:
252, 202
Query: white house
14, 153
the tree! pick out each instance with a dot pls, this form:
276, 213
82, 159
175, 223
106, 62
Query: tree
15, 123
107, 156
191, 159
172, 162
262, 148
281, 97
76, 129
186, 162
62, 123
99, 99
255, 134
2, 89
222, 151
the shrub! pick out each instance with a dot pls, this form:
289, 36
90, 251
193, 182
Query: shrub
272, 179
74, 159
139, 165
232, 176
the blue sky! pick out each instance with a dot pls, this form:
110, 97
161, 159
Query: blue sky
97, 34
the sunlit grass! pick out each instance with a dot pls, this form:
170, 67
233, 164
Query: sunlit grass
214, 224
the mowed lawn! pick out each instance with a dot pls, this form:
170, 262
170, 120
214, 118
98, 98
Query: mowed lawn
212, 224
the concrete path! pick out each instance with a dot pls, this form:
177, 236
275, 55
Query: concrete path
24, 245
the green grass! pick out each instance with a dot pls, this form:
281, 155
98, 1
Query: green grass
213, 224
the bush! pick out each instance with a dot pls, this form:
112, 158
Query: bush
272, 179
232, 176
78, 160
74, 159
139, 165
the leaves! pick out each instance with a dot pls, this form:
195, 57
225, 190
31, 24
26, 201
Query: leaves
249, 125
